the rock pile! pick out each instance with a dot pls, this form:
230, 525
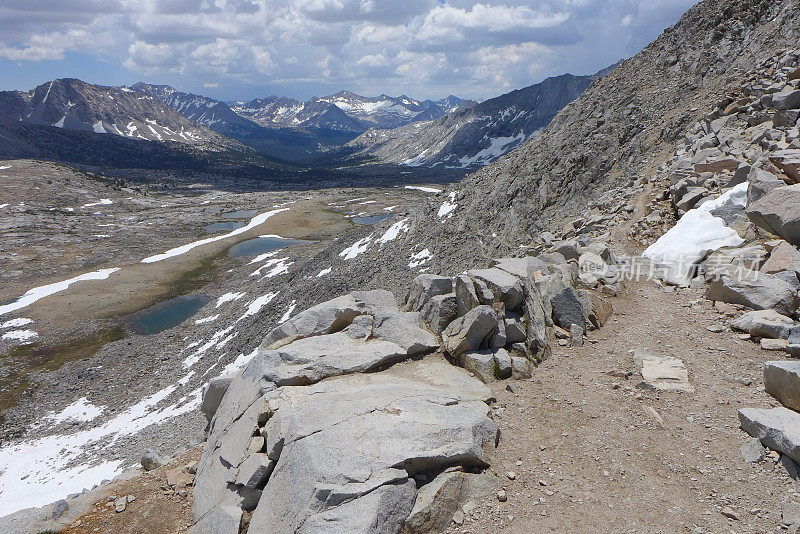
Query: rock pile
733, 187
350, 418
777, 428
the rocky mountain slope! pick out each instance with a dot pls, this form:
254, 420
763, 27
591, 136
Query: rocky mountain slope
76, 105
477, 135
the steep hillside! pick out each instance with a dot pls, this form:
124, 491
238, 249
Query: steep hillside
477, 135
622, 127
76, 105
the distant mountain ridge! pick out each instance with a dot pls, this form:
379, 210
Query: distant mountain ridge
73, 104
346, 111
476, 135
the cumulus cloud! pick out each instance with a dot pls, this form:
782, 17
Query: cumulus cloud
426, 48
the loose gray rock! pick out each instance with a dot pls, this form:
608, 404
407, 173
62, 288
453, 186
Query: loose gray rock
755, 290
506, 287
60, 507
782, 381
567, 310
777, 428
327, 317
764, 323
515, 330
784, 257
472, 332
151, 460
466, 295
219, 520
482, 364
786, 100
753, 451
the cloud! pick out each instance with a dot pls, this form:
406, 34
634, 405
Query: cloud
426, 48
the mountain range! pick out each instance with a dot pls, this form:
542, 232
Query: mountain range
341, 129
475, 135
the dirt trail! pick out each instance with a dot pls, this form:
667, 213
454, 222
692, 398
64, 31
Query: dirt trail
589, 458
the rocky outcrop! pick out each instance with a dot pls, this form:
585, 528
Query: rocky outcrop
350, 417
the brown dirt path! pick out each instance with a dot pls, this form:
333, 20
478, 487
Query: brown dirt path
588, 457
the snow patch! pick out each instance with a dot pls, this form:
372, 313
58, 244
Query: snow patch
285, 316
277, 267
255, 306
255, 221
447, 208
209, 319
420, 257
393, 231
325, 272
19, 335
696, 234
423, 189
357, 248
81, 410
102, 202
41, 292
15, 323
228, 297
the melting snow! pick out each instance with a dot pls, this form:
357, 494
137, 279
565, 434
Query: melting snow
44, 291
217, 339
4, 167
210, 319
80, 410
325, 272
103, 202
447, 208
16, 323
420, 257
255, 306
424, 189
98, 127
262, 257
228, 297
288, 313
278, 266
35, 473
255, 221
393, 231
359, 247
20, 335
696, 234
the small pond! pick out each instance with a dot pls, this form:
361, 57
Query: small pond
261, 245
166, 315
372, 219
227, 226
240, 214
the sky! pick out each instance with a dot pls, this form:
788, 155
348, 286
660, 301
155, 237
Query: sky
243, 49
